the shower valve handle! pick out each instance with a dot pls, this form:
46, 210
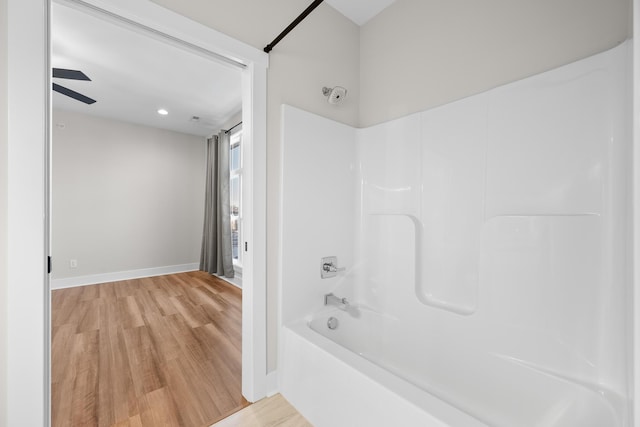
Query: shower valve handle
329, 267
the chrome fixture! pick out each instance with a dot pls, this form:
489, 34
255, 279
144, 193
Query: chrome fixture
329, 267
332, 323
334, 95
331, 299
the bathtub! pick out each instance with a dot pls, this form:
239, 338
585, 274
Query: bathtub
362, 374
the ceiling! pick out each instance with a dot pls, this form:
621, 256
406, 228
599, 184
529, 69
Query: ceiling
360, 11
133, 74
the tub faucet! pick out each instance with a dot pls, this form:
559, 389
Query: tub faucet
331, 299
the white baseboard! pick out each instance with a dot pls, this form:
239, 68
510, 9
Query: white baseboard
71, 282
272, 383
235, 281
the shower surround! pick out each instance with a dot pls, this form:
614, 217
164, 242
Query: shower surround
487, 252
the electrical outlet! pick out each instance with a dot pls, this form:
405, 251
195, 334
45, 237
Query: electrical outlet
73, 263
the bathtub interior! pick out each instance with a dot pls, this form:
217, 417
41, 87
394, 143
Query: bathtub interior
494, 394
493, 231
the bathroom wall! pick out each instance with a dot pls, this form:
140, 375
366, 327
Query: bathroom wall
418, 54
125, 197
318, 208
500, 220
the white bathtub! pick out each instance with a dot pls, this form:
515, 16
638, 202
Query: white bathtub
362, 374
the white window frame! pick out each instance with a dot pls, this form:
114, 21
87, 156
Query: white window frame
236, 139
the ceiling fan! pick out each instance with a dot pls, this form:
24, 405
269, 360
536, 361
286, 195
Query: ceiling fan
63, 73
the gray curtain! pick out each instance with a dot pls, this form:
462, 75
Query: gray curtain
215, 256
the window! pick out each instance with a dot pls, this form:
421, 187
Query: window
235, 189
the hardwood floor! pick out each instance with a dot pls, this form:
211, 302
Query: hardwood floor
158, 351
270, 412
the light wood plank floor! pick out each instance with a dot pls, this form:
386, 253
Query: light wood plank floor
271, 412
159, 351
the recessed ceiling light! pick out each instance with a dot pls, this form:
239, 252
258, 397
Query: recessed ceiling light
163, 112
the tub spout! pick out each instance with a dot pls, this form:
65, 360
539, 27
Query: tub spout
331, 299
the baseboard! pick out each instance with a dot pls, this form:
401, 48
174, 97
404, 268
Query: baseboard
235, 281
272, 383
93, 279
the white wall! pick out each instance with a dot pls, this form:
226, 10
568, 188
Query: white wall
124, 197
3, 213
421, 53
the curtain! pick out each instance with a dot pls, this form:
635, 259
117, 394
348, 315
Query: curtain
215, 256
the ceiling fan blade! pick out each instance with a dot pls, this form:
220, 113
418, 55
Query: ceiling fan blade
63, 73
73, 94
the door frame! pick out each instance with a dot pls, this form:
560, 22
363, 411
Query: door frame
29, 142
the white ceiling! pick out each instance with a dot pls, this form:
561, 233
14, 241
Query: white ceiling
360, 11
133, 75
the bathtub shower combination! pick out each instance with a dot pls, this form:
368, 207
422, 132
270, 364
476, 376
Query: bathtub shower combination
486, 253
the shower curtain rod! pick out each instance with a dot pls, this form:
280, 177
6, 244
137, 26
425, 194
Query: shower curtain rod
231, 128
291, 26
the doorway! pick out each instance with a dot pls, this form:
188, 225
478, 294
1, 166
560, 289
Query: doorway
28, 144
